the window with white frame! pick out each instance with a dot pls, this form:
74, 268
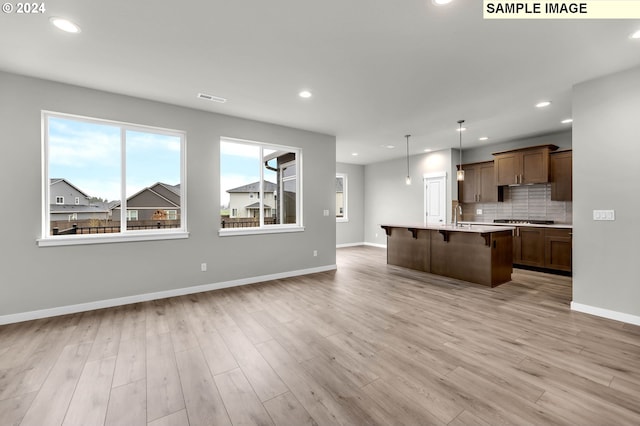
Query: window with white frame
260, 186
123, 169
341, 198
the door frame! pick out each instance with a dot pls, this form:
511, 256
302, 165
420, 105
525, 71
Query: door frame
443, 196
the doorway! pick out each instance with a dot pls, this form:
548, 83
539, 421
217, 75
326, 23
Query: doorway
435, 198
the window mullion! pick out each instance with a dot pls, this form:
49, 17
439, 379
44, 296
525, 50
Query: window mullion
261, 188
123, 180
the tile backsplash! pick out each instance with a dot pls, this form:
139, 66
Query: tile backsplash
532, 202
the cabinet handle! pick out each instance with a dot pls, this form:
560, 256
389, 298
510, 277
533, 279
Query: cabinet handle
516, 178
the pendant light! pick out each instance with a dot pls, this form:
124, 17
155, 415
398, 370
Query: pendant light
408, 178
460, 173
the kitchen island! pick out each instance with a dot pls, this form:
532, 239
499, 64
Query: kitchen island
479, 254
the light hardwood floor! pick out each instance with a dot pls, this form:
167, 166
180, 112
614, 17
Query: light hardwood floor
366, 344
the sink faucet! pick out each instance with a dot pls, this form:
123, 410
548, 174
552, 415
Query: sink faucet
457, 212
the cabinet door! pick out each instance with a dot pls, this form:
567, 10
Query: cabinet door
468, 188
487, 187
507, 168
558, 249
535, 166
531, 246
561, 176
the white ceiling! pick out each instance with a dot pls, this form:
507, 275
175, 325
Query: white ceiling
378, 69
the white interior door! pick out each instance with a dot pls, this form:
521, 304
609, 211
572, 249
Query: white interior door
435, 198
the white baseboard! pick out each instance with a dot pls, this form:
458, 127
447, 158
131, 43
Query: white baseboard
100, 304
376, 245
606, 313
349, 245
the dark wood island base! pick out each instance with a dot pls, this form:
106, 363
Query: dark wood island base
478, 254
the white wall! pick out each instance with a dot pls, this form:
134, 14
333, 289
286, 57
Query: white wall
388, 199
352, 232
29, 275
606, 154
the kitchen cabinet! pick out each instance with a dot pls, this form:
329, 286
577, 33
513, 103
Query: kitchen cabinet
539, 247
561, 165
528, 246
558, 249
479, 184
523, 166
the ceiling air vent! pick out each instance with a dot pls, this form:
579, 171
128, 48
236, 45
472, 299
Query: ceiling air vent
211, 98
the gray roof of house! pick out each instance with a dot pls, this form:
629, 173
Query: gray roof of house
255, 187
257, 206
73, 208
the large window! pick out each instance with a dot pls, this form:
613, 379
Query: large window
117, 175
341, 198
260, 187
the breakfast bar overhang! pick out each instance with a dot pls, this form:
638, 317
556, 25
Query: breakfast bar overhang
478, 254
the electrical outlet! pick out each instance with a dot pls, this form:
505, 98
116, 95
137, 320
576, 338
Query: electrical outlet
315, 252
479, 212
203, 267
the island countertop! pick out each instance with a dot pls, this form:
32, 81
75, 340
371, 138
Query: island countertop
466, 227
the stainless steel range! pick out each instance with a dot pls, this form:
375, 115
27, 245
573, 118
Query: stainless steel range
524, 221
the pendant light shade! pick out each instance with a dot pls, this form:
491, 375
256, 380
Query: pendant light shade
408, 178
460, 173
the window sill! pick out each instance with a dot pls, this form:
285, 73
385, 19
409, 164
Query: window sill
110, 238
228, 232
342, 219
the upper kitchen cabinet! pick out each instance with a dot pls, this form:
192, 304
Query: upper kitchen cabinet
523, 166
561, 176
479, 184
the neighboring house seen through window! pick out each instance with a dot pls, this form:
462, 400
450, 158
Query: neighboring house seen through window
117, 175
261, 188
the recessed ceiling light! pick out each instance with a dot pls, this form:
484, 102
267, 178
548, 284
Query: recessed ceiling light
483, 138
389, 146
355, 154
65, 25
543, 104
427, 150
635, 35
211, 98
567, 121
305, 94
441, 2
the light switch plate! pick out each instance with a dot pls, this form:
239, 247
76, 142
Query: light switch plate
478, 211
325, 212
604, 215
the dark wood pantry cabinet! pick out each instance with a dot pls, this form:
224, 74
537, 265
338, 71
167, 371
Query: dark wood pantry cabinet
561, 164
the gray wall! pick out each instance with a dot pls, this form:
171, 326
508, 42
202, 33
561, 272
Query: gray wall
606, 176
28, 273
352, 232
387, 199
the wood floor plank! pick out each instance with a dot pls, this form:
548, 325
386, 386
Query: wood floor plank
202, 399
128, 405
12, 410
285, 410
178, 418
264, 380
164, 390
242, 403
131, 364
91, 397
50, 405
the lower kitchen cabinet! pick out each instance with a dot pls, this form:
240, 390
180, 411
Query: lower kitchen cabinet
528, 246
558, 249
538, 247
